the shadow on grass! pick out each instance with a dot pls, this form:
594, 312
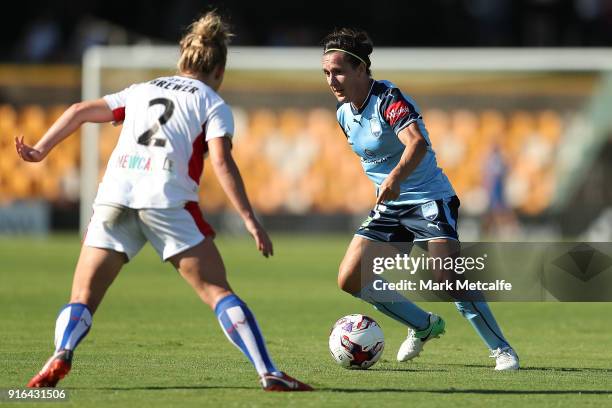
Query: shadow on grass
168, 387
359, 390
411, 370
468, 391
401, 390
553, 369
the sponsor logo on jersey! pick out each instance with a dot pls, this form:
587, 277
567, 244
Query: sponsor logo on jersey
397, 111
136, 162
375, 161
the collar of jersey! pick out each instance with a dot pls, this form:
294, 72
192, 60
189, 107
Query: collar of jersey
191, 79
365, 102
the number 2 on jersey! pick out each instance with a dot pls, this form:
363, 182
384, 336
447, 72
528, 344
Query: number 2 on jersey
147, 136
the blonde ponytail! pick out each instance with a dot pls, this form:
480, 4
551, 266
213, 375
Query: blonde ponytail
204, 47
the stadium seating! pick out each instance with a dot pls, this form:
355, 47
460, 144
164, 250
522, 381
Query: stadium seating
298, 161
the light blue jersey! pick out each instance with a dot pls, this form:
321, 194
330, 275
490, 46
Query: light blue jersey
372, 133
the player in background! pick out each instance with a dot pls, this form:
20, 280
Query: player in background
415, 201
150, 193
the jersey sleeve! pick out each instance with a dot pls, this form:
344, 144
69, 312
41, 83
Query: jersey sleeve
396, 110
220, 122
116, 102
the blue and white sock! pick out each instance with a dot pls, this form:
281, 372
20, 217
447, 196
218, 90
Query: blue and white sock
481, 318
396, 306
240, 327
72, 325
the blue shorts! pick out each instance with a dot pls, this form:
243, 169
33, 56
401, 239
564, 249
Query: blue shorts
412, 222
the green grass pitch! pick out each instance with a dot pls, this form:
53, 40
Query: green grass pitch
153, 344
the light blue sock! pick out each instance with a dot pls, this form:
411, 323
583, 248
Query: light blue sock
396, 306
481, 318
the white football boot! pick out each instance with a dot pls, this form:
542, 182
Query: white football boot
413, 345
505, 359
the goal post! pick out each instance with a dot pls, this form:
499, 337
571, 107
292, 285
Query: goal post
303, 68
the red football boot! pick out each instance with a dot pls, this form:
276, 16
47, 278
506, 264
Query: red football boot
272, 382
54, 370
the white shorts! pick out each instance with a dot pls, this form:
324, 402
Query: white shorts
170, 230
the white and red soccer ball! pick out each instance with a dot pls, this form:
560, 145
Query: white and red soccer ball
356, 341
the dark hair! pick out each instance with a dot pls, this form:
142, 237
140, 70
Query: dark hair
352, 40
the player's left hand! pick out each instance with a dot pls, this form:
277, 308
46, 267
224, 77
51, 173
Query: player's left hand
262, 240
389, 190
27, 153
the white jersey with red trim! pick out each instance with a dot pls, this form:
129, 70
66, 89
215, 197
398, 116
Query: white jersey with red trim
159, 156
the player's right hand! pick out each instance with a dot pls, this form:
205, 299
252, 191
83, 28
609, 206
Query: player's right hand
27, 153
389, 190
262, 240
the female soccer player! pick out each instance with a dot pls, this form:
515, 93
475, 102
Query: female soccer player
415, 201
150, 193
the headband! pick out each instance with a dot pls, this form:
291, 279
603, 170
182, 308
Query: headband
347, 52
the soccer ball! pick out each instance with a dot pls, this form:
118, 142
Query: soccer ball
356, 341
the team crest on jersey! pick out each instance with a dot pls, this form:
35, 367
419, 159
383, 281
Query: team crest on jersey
375, 127
430, 210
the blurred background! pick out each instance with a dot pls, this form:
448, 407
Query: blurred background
528, 151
